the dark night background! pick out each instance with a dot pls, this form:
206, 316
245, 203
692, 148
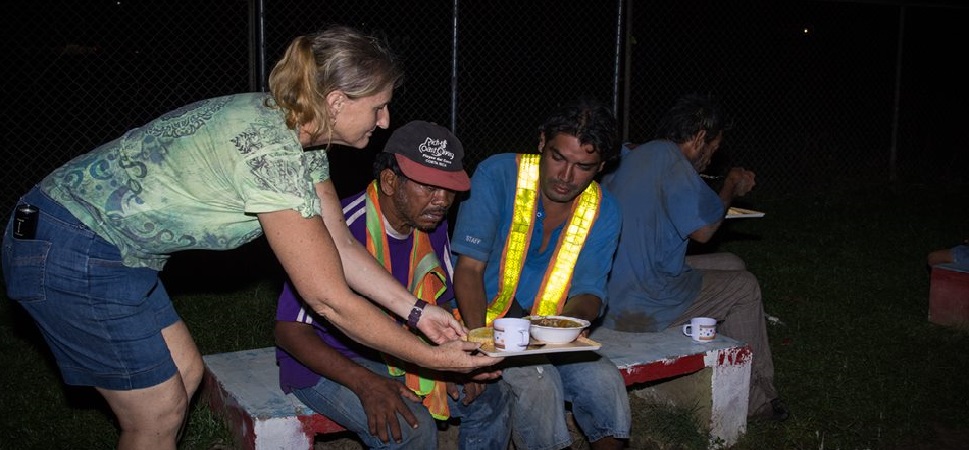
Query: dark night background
829, 96
815, 110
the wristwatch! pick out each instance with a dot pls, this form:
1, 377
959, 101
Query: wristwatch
415, 313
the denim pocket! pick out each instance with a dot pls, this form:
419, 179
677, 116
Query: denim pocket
24, 266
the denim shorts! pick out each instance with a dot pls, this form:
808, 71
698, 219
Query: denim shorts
101, 319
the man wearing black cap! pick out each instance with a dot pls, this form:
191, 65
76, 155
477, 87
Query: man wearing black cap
401, 219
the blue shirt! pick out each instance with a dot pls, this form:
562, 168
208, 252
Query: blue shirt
482, 228
663, 200
960, 258
290, 308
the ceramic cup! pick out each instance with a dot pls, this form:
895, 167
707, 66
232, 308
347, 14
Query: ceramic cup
511, 334
701, 329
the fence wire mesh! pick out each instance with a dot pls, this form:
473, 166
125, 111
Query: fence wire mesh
826, 94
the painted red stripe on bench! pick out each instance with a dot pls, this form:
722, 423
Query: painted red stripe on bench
668, 368
658, 370
318, 423
734, 356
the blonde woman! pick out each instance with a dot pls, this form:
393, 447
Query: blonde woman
215, 174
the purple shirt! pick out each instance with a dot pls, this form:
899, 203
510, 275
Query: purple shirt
291, 308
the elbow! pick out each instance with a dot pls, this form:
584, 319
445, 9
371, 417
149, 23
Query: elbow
701, 238
324, 306
323, 309
282, 333
324, 298
703, 235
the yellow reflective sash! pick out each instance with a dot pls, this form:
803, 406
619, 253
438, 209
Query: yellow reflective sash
558, 276
427, 282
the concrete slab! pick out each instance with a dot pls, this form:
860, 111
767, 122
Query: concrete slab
714, 376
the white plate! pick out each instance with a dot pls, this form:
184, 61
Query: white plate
740, 213
581, 344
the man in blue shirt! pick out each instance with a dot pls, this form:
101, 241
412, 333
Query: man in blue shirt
536, 237
665, 203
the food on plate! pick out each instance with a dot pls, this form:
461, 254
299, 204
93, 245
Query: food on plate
482, 335
546, 321
553, 344
735, 212
556, 329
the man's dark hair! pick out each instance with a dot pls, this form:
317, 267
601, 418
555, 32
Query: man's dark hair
385, 160
690, 114
588, 120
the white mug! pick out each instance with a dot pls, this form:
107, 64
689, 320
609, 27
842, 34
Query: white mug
701, 329
511, 334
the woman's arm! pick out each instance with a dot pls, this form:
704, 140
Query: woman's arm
366, 276
312, 262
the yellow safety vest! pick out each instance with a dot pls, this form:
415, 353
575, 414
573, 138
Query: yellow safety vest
558, 276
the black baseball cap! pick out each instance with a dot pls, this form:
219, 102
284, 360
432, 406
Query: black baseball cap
429, 154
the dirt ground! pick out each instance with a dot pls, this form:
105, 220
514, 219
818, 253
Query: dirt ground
946, 439
447, 440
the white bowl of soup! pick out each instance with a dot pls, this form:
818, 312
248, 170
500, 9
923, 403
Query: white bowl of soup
555, 329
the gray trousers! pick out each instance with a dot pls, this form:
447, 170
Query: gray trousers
731, 295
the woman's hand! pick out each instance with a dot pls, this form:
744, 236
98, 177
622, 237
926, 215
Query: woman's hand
456, 356
440, 326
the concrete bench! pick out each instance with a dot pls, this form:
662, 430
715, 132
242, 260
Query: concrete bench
949, 296
713, 378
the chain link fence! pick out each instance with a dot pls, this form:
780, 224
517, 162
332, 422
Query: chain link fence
826, 94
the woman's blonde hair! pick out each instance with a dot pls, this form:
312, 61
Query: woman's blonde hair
337, 58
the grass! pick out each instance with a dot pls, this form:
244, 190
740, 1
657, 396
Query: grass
856, 359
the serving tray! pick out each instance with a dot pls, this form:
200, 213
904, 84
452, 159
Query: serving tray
580, 344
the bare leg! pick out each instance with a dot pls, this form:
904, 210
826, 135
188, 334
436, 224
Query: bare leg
187, 359
152, 417
186, 356
149, 417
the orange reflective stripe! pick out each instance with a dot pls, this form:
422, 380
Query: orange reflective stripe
427, 282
